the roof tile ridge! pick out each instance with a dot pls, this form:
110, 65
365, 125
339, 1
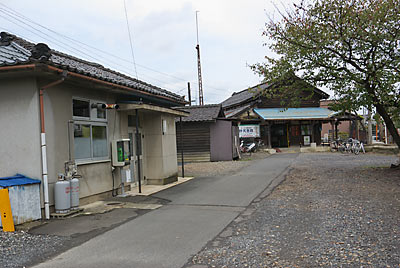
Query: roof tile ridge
23, 50
28, 46
20, 41
97, 65
202, 106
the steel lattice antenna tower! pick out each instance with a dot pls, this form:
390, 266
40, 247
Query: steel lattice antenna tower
201, 99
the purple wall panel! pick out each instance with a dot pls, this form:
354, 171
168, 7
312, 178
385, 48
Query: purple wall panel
221, 141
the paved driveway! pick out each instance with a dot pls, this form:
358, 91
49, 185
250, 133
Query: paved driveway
332, 210
167, 237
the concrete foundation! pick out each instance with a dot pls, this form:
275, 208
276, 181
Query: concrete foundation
163, 181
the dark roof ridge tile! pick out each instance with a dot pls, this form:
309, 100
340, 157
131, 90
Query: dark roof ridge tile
201, 106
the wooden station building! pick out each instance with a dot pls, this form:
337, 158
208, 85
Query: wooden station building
276, 125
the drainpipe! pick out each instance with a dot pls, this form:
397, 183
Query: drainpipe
138, 146
43, 147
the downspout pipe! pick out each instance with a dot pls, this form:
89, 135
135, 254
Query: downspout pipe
138, 150
43, 147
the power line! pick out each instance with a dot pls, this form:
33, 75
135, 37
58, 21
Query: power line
127, 72
15, 15
81, 44
53, 40
43, 34
66, 47
130, 37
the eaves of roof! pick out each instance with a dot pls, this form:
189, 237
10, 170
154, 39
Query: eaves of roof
244, 96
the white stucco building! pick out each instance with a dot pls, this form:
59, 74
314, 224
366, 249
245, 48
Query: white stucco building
48, 94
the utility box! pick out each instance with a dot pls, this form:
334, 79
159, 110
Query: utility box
24, 196
121, 152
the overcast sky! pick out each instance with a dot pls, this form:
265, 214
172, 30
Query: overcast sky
163, 35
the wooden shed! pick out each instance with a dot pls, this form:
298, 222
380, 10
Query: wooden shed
206, 135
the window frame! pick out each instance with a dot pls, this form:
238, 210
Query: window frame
92, 111
79, 120
80, 117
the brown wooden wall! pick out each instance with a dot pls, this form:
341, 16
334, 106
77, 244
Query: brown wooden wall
196, 141
276, 102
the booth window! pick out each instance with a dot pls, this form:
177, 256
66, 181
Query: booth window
90, 130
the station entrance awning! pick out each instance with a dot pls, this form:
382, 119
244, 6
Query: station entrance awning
309, 113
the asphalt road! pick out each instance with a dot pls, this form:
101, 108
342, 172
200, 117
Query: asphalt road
199, 210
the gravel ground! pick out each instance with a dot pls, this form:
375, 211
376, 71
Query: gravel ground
332, 210
19, 248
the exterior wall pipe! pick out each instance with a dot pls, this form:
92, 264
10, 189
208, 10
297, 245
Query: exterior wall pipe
43, 148
17, 67
138, 145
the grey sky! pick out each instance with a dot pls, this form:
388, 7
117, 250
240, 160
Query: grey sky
164, 38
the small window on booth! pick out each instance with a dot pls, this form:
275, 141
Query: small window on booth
101, 114
81, 108
98, 111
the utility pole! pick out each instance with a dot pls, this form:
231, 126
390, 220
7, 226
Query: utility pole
201, 100
189, 95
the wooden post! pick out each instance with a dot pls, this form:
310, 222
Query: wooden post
269, 136
287, 135
336, 129
351, 127
312, 131
357, 129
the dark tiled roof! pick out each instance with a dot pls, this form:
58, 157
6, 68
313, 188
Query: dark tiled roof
243, 96
250, 94
13, 54
232, 113
15, 50
201, 113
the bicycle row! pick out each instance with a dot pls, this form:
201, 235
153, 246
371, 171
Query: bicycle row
348, 146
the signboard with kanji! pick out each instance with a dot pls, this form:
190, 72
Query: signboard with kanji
249, 131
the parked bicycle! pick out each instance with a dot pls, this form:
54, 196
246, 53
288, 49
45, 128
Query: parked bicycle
335, 145
349, 146
357, 146
352, 146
